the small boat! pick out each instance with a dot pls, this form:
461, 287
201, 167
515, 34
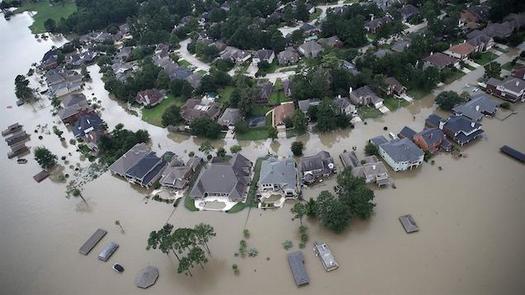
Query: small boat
118, 268
21, 161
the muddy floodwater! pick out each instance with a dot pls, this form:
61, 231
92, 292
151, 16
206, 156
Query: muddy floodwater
470, 213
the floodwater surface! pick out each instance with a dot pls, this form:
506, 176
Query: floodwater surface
470, 214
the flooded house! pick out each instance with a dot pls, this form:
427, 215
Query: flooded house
225, 182
364, 96
278, 181
198, 108
177, 175
400, 154
316, 167
129, 159
370, 168
150, 97
477, 107
296, 262
432, 140
511, 88
230, 117
147, 170
72, 106
325, 255
461, 130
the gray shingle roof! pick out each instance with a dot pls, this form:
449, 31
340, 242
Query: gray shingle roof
402, 150
475, 108
130, 158
296, 262
283, 172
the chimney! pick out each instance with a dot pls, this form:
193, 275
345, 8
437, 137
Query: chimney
339, 96
350, 90
431, 53
477, 108
517, 83
373, 167
472, 124
441, 124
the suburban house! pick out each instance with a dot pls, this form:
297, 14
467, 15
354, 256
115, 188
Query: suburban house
87, 123
461, 130
331, 42
461, 51
473, 16
343, 105
278, 181
434, 121
440, 61
365, 96
177, 175
230, 117
370, 168
310, 49
264, 93
224, 181
281, 112
478, 106
408, 11
499, 30
373, 25
263, 55
432, 140
150, 97
511, 89
72, 106
316, 167
198, 108
394, 87
407, 132
64, 88
235, 55
129, 159
124, 54
401, 154
519, 72
123, 70
147, 170
289, 56
480, 40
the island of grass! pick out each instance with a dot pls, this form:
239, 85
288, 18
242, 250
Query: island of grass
154, 115
45, 10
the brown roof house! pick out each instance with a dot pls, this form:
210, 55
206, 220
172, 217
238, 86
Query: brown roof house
432, 140
480, 40
72, 106
394, 87
310, 49
461, 51
264, 91
289, 56
370, 168
511, 89
150, 97
331, 42
473, 16
365, 96
197, 108
519, 72
440, 61
281, 112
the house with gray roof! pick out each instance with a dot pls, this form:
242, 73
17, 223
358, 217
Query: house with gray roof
129, 159
147, 170
407, 132
478, 106
316, 167
230, 117
277, 182
87, 123
331, 42
400, 154
440, 61
511, 89
235, 55
433, 121
296, 262
365, 96
480, 40
400, 45
461, 130
72, 106
197, 108
343, 105
263, 55
310, 49
288, 57
408, 11
369, 168
177, 175
306, 104
349, 67
227, 181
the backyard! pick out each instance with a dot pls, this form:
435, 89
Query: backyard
44, 10
154, 115
484, 58
368, 112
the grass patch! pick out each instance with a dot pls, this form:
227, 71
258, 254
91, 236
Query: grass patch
453, 76
250, 200
508, 66
278, 96
484, 58
258, 133
417, 93
45, 10
368, 112
224, 96
259, 110
394, 103
154, 115
189, 203
237, 208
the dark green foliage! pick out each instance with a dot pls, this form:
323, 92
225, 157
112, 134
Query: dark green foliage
371, 149
22, 90
446, 100
50, 25
171, 116
493, 70
297, 148
118, 142
181, 88
332, 213
300, 122
45, 158
205, 127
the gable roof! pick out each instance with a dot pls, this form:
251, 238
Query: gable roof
146, 168
86, 123
475, 108
130, 158
274, 171
464, 48
441, 60
230, 116
402, 150
319, 161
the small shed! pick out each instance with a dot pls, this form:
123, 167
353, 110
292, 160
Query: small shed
409, 224
296, 262
40, 176
147, 277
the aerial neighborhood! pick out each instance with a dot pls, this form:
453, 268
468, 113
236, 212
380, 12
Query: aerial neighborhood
258, 105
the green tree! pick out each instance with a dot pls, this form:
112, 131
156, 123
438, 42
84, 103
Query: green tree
221, 153
353, 192
297, 148
299, 210
50, 25
492, 70
171, 116
45, 158
272, 133
311, 208
235, 149
205, 127
197, 255
446, 100
326, 117
371, 149
301, 12
300, 122
332, 213
22, 89
206, 147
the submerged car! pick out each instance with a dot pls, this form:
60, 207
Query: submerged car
118, 268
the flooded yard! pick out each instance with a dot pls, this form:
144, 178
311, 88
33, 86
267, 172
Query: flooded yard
470, 213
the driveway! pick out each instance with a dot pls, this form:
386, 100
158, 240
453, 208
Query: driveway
194, 61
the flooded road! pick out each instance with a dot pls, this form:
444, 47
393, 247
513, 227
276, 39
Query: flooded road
470, 214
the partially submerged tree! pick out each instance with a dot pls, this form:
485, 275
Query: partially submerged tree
45, 158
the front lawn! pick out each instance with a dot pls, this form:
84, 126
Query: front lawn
259, 133
154, 115
417, 93
452, 76
484, 58
394, 103
368, 112
44, 10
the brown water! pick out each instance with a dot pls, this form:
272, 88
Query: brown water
470, 215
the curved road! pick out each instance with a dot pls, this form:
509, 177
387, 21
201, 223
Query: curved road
193, 60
